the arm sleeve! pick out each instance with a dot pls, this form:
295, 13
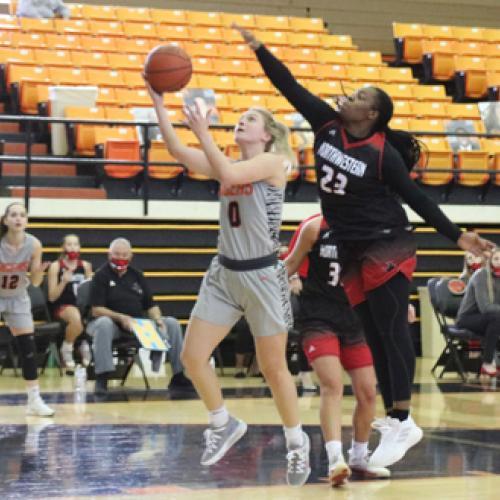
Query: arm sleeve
147, 297
98, 287
396, 176
316, 111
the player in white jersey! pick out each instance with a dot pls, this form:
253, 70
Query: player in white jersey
245, 278
21, 253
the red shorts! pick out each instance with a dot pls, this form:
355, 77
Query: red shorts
351, 356
368, 265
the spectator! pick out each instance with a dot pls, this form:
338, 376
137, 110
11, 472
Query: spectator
480, 310
471, 264
491, 118
119, 293
43, 9
64, 276
463, 142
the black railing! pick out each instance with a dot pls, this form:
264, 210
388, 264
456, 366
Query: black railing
29, 159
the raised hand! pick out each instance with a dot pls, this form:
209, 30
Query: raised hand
249, 37
155, 97
196, 119
473, 243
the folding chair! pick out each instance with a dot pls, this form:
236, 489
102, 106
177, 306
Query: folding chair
6, 350
445, 305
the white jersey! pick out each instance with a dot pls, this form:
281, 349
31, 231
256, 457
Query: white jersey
14, 266
250, 220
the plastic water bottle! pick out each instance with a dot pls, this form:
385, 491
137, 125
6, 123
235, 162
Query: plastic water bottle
80, 384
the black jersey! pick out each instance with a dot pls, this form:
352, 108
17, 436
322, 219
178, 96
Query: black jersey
359, 181
68, 295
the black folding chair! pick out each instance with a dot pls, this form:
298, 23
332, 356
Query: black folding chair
457, 351
126, 348
6, 351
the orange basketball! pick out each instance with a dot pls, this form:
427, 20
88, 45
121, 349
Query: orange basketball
168, 68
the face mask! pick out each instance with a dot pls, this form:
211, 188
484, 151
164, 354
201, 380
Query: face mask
119, 264
474, 266
495, 270
73, 255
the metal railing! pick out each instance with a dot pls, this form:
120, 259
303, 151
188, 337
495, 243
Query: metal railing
29, 158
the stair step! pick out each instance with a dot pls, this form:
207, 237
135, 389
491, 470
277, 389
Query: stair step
65, 193
39, 169
49, 181
19, 148
9, 127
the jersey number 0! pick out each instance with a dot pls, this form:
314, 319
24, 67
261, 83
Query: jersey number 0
233, 213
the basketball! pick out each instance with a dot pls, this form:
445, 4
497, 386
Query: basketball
168, 68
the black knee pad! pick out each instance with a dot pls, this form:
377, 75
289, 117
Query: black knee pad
27, 350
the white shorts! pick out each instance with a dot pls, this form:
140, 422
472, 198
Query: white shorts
16, 312
262, 296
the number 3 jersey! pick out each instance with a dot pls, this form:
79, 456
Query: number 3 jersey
14, 266
250, 220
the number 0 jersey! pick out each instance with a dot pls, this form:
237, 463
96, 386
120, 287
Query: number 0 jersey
14, 266
250, 220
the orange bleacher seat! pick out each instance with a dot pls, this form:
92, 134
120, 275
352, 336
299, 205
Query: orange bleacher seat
272, 23
5, 39
202, 49
473, 160
229, 117
241, 102
104, 77
106, 96
429, 110
307, 24
140, 30
430, 93
126, 61
493, 83
200, 18
133, 79
361, 58
68, 76
133, 97
31, 94
272, 37
122, 149
230, 36
218, 83
222, 101
466, 34
9, 23
244, 20
363, 73
473, 72
163, 172
471, 48
134, 45
301, 69
438, 32
247, 84
51, 57
491, 50
493, 148
72, 26
106, 28
75, 10
336, 41
396, 75
492, 64
118, 114
304, 40
223, 138
439, 54
133, 14
66, 42
425, 125
254, 68
203, 65
463, 111
98, 12
403, 108
491, 35
237, 67
171, 33
325, 56
32, 25
17, 56
165, 16
398, 90
398, 123
90, 59
324, 88
409, 37
329, 71
84, 134
103, 134
28, 40
436, 155
299, 55
18, 72
278, 104
235, 51
206, 34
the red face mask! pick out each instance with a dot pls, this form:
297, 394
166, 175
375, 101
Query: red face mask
73, 255
474, 266
495, 270
119, 264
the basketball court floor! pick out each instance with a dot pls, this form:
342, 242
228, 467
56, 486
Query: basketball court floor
140, 445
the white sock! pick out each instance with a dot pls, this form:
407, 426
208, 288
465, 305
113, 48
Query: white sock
294, 437
359, 449
67, 346
333, 450
33, 392
219, 417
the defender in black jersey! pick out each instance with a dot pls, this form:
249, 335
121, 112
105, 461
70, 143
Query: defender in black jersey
362, 167
332, 338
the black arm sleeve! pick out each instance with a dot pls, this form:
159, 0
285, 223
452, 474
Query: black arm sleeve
316, 111
395, 174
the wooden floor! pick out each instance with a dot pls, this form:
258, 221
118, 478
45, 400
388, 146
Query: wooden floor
147, 445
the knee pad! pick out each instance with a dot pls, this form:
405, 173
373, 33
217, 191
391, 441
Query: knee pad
27, 350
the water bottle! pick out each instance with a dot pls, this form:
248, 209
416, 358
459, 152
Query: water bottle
80, 384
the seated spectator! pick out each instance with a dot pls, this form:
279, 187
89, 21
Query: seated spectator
463, 142
480, 310
471, 264
64, 276
119, 293
42, 9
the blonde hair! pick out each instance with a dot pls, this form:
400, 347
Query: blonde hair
280, 133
